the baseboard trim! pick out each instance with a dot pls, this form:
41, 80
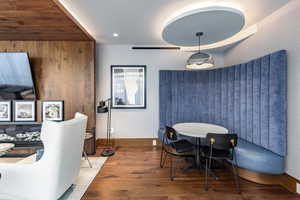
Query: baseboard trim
129, 142
284, 180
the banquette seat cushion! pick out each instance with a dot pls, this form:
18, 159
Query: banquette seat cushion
253, 157
258, 159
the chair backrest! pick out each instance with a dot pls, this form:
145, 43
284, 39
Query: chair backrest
170, 133
222, 141
63, 147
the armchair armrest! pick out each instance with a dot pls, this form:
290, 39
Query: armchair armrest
20, 176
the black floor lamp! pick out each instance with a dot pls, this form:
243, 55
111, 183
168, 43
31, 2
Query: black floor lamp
103, 108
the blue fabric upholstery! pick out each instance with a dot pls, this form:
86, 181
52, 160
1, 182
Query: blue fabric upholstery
258, 159
249, 99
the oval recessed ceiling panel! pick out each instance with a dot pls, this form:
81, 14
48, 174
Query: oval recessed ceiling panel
217, 24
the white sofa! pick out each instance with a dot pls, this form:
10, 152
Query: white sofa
57, 170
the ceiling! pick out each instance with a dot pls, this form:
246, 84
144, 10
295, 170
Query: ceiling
140, 22
38, 20
182, 30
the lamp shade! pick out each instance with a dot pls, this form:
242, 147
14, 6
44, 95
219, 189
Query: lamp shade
102, 109
200, 60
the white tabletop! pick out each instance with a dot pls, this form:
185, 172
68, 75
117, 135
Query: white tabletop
198, 129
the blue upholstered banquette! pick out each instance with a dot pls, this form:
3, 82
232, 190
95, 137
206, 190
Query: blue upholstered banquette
256, 158
249, 99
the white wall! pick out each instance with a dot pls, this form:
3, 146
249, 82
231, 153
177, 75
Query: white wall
136, 123
281, 30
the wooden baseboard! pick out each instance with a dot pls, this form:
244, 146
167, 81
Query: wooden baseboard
129, 142
289, 183
284, 180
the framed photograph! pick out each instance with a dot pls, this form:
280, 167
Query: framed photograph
53, 110
128, 86
24, 111
5, 111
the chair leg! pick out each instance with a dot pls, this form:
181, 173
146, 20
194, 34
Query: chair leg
87, 158
161, 158
236, 177
164, 161
206, 175
171, 168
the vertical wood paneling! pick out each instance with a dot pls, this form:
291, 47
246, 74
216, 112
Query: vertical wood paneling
62, 71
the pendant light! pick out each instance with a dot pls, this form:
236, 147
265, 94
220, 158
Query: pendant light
200, 60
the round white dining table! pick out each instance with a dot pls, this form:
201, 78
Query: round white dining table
198, 131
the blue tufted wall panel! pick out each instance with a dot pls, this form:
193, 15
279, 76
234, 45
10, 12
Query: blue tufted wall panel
249, 99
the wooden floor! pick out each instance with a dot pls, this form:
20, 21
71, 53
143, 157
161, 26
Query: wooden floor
134, 173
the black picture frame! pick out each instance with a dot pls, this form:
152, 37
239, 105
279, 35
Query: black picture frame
43, 110
16, 117
9, 111
144, 87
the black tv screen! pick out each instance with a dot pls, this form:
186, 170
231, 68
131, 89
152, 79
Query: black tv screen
16, 81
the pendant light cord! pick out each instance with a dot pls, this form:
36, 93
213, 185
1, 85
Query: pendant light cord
199, 43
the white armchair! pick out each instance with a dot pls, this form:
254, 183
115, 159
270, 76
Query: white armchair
57, 170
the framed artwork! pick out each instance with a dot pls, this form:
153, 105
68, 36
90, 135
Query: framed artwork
5, 111
128, 86
53, 110
24, 111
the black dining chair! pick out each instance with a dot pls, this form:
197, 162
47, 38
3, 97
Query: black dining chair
220, 147
174, 147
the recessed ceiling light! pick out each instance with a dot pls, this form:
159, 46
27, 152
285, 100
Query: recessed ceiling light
115, 34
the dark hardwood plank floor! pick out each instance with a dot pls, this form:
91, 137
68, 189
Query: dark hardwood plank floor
134, 173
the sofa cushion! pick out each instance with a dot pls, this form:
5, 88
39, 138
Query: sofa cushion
258, 159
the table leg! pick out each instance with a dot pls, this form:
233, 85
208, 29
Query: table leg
198, 152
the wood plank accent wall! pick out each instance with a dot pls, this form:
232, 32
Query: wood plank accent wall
62, 71
34, 20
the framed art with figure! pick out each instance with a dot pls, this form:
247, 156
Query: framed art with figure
24, 110
128, 86
53, 110
5, 111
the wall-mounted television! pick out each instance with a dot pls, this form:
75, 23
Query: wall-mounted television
16, 82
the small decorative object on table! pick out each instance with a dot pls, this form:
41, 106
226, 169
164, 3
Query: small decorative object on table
24, 111
102, 108
5, 111
5, 147
53, 110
